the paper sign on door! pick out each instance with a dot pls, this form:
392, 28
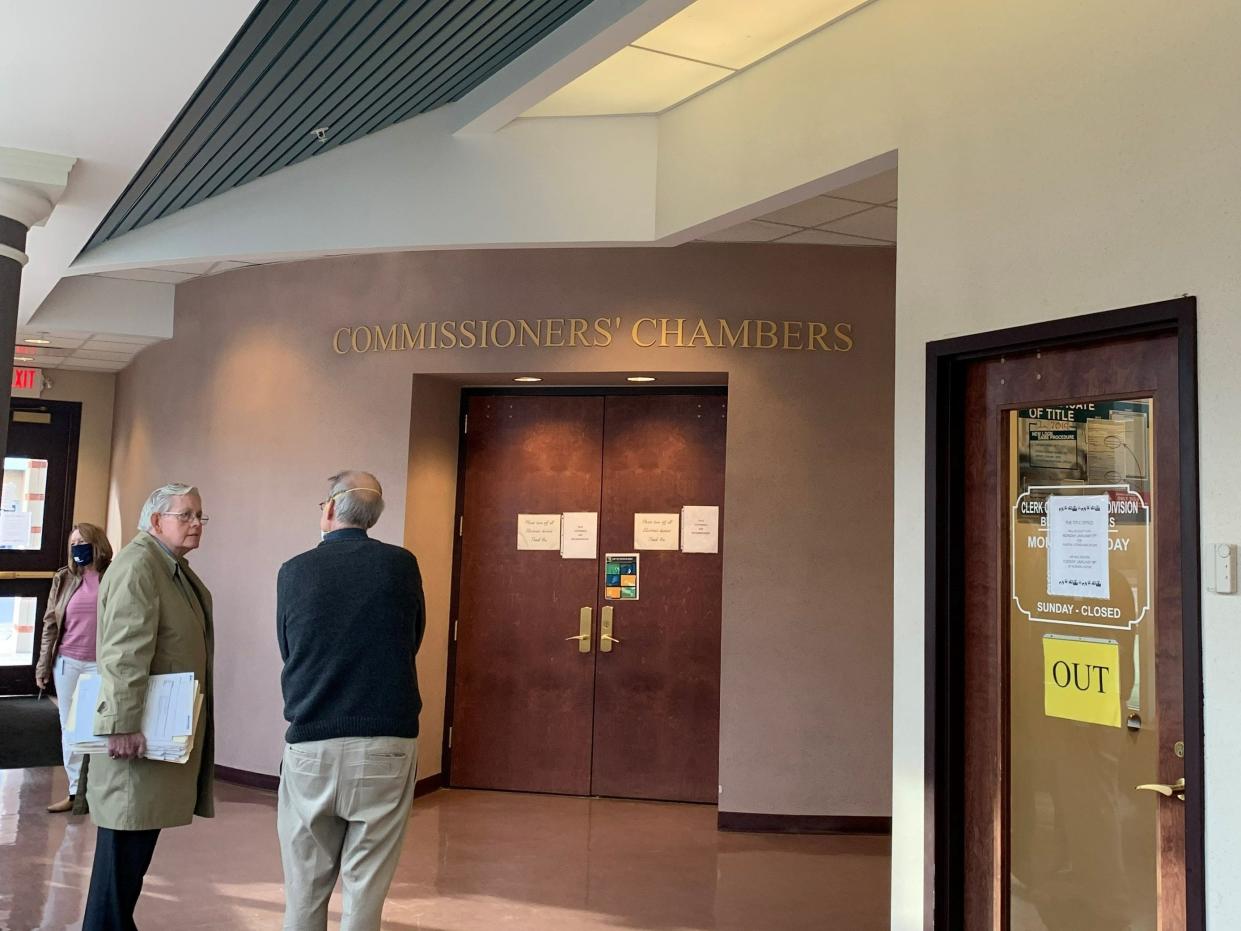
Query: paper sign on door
538, 531
579, 533
1081, 679
700, 529
656, 531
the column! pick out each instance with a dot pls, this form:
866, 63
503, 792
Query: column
30, 185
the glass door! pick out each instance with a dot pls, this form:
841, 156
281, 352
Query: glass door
36, 508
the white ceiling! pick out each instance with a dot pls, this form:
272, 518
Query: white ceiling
99, 82
707, 42
859, 214
83, 352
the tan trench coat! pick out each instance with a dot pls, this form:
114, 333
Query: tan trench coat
150, 622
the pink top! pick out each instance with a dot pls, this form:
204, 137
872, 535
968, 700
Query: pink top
81, 619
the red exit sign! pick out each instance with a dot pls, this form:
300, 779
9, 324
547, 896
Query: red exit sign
25, 379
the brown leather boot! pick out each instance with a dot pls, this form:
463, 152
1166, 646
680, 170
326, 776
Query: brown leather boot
65, 804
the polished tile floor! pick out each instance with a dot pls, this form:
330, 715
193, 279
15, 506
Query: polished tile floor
473, 861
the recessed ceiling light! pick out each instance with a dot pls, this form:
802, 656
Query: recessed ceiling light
640, 378
527, 378
38, 342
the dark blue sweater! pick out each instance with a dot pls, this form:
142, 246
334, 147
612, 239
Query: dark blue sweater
349, 619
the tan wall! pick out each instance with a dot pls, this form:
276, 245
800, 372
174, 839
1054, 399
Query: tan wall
96, 391
250, 402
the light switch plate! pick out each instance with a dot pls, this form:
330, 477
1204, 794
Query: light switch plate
1223, 577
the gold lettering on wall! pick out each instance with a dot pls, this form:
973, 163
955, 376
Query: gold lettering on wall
596, 333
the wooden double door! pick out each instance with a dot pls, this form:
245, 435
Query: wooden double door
540, 700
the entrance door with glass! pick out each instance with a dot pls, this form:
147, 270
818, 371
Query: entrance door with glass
40, 469
1073, 690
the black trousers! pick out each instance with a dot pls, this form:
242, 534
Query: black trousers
121, 861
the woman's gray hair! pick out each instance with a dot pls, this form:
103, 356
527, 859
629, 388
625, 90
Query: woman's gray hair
159, 500
359, 498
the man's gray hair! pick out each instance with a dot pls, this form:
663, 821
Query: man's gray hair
158, 501
359, 498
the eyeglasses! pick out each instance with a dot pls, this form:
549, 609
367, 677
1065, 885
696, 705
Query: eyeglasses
186, 516
323, 503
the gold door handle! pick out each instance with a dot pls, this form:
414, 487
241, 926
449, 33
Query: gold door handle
584, 626
1177, 788
605, 631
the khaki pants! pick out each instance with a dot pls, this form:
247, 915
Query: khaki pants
344, 805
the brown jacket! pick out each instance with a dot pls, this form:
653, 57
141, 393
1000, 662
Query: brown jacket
64, 584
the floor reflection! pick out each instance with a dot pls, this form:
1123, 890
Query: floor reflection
472, 860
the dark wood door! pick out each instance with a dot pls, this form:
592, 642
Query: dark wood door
529, 710
523, 694
657, 691
1057, 833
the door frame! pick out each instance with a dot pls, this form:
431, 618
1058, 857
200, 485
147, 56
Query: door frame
459, 509
946, 365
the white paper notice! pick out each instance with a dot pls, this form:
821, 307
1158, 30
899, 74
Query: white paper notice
579, 535
1077, 546
15, 529
538, 531
656, 531
700, 529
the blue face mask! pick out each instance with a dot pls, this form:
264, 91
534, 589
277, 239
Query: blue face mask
83, 553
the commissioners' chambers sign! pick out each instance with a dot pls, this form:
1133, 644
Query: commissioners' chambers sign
596, 333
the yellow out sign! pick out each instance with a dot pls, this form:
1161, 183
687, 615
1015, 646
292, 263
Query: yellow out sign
1081, 679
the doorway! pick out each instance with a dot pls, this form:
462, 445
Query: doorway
40, 472
1064, 738
588, 666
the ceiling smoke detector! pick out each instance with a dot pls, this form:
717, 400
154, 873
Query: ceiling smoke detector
321, 132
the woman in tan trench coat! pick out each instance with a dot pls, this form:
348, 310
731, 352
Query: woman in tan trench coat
154, 617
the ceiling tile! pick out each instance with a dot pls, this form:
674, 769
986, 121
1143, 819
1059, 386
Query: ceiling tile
228, 265
750, 231
92, 365
814, 212
124, 338
737, 33
877, 223
104, 345
877, 189
631, 81
828, 238
54, 342
160, 275
190, 268
102, 356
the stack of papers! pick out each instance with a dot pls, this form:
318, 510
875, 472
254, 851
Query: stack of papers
169, 719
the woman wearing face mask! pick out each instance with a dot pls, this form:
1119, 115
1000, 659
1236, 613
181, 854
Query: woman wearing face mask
68, 650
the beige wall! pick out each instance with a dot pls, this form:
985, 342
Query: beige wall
249, 401
96, 392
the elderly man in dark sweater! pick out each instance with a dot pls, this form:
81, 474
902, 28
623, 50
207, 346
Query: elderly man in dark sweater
349, 619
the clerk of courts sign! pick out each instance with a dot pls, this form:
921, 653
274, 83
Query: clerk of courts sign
596, 333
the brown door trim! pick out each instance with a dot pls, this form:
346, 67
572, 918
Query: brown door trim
455, 592
944, 882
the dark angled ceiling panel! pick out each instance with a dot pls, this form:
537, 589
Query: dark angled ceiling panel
348, 68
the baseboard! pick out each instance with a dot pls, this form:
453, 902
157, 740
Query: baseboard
803, 824
243, 777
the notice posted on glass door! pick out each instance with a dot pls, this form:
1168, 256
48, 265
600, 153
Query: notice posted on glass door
1077, 528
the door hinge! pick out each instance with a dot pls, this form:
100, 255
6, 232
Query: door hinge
465, 424
449, 738
454, 629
